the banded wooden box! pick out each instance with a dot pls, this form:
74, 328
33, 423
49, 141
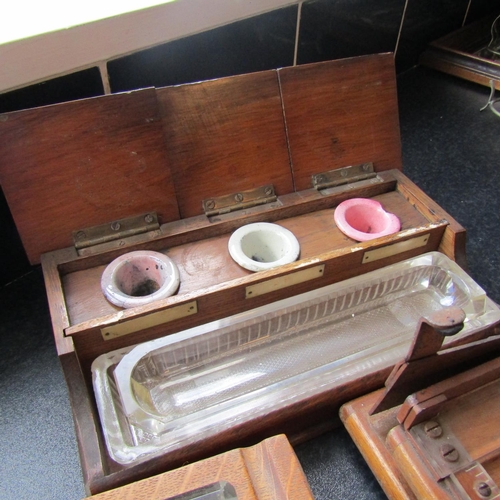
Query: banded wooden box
433, 432
177, 170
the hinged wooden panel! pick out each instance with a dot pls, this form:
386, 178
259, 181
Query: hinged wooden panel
225, 136
81, 164
341, 113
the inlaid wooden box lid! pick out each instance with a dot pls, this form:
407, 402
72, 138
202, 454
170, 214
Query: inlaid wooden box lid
90, 162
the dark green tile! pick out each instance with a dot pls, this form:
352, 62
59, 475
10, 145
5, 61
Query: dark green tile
255, 44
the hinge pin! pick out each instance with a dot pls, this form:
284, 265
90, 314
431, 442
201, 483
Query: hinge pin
344, 175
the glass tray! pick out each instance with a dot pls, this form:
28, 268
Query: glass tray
186, 387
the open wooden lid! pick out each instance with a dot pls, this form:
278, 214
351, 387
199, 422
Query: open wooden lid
83, 163
73, 165
341, 113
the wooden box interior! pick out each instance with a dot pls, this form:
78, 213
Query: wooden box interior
74, 165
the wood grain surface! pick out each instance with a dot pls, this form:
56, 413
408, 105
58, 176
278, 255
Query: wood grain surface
466, 404
225, 136
79, 164
266, 471
341, 113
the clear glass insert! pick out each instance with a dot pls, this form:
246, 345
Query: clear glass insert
186, 386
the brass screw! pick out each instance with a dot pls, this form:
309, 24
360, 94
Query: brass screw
343, 173
80, 235
366, 167
115, 226
210, 204
238, 197
484, 489
149, 218
449, 452
433, 429
268, 191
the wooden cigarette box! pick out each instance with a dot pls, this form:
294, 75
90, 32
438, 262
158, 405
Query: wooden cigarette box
177, 170
433, 432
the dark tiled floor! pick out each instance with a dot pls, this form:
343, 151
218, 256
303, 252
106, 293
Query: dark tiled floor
450, 149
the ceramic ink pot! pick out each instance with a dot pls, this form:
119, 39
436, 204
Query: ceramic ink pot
363, 219
262, 246
138, 278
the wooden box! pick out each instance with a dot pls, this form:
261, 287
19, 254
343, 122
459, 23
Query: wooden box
177, 170
470, 52
433, 432
267, 470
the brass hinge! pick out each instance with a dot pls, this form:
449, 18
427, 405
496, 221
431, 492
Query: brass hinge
449, 460
239, 201
121, 228
344, 175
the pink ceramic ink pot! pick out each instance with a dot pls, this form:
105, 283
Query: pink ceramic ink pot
138, 278
363, 219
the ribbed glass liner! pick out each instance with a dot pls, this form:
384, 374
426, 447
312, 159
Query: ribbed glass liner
190, 385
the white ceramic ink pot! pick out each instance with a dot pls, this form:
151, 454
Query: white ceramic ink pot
262, 246
138, 278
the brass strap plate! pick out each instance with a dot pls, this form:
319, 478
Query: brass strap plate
118, 229
475, 482
284, 281
449, 460
442, 450
344, 175
149, 320
239, 201
395, 248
